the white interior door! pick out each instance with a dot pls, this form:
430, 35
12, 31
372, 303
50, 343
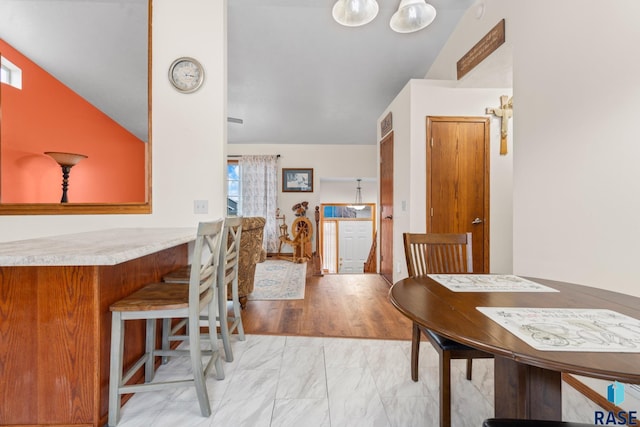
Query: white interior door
354, 243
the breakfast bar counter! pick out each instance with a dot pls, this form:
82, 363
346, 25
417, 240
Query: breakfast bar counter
103, 247
55, 323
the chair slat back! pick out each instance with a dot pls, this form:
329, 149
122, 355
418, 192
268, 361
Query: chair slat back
229, 257
438, 253
203, 275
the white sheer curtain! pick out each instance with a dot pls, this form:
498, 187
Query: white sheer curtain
259, 184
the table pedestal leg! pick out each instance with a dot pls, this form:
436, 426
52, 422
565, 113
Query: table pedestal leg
526, 392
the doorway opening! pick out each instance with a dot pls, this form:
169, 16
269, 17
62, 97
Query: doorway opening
346, 237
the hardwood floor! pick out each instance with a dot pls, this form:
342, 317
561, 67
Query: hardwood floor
336, 305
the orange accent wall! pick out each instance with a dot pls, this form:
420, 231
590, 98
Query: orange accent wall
48, 116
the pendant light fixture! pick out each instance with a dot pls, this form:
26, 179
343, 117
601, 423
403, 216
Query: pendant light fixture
358, 205
353, 13
412, 15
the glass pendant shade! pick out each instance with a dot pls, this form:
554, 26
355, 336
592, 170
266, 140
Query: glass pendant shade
412, 15
358, 205
353, 13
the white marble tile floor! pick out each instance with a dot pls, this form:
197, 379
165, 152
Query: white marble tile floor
281, 381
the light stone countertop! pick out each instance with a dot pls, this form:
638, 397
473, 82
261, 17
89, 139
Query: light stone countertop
103, 247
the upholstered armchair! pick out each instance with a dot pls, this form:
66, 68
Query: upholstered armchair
251, 253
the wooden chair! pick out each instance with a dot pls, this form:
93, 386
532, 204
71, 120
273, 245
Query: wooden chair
497, 422
227, 278
433, 253
169, 301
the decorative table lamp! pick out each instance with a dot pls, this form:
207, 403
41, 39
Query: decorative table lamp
66, 162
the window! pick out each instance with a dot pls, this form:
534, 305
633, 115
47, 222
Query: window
234, 205
10, 73
5, 74
345, 211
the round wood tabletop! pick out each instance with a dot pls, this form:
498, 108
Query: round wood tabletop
454, 315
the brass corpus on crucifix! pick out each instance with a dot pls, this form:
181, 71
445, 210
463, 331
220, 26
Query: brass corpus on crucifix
505, 112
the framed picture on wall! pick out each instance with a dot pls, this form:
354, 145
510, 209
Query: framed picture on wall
297, 180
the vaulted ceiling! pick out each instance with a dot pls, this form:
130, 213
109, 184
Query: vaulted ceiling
295, 76
98, 48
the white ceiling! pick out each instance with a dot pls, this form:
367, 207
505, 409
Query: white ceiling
295, 76
298, 77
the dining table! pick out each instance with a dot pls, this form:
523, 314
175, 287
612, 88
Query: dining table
591, 332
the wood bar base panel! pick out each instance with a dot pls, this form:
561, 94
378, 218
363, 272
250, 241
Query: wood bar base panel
55, 331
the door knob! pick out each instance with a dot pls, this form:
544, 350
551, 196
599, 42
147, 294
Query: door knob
388, 217
476, 221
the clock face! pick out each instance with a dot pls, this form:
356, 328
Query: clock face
186, 74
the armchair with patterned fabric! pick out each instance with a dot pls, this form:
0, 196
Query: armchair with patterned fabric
251, 253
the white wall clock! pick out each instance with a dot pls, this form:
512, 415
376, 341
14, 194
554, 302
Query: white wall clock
186, 74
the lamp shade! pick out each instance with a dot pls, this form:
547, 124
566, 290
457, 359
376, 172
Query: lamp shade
65, 159
353, 13
412, 15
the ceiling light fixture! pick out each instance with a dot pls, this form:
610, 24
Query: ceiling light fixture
412, 15
353, 13
358, 205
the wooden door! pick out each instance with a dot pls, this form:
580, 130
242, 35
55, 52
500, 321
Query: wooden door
458, 181
386, 208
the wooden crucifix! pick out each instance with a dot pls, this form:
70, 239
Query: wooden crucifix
505, 112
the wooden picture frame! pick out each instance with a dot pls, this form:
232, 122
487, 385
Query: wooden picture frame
297, 180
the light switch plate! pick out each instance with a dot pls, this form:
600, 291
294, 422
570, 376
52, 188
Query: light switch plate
200, 206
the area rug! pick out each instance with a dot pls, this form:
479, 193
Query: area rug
278, 279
